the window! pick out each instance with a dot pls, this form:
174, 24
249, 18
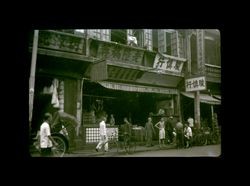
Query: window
155, 39
140, 38
148, 39
212, 49
170, 42
119, 36
101, 34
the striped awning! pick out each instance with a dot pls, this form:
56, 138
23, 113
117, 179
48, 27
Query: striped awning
138, 88
204, 98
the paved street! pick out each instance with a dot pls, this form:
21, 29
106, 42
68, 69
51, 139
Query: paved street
197, 151
201, 151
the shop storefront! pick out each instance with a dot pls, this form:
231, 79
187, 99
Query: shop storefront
209, 106
128, 82
135, 102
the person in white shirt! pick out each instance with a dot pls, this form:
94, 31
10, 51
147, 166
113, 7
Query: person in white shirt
45, 136
103, 136
191, 122
187, 135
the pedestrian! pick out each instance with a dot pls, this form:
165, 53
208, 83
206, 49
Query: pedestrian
190, 121
187, 135
150, 131
127, 132
112, 120
169, 129
103, 136
161, 126
46, 141
179, 134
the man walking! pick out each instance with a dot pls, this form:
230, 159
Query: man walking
103, 136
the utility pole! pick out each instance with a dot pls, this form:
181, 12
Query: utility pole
32, 75
200, 71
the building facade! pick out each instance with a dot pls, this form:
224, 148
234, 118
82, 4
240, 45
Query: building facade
129, 73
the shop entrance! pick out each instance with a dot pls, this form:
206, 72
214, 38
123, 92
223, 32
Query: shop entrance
187, 107
136, 106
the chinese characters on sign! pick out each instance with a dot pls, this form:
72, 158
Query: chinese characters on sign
117, 53
195, 84
166, 63
200, 49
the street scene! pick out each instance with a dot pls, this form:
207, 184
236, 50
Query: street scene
125, 93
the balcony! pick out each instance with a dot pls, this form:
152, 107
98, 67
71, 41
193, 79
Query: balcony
213, 73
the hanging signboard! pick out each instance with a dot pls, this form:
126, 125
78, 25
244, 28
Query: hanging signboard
195, 84
168, 63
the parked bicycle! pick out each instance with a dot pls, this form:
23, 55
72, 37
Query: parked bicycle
113, 141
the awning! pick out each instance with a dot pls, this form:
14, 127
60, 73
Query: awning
204, 98
217, 97
137, 88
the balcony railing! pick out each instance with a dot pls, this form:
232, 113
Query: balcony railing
213, 70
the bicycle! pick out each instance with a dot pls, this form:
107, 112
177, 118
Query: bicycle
57, 151
113, 141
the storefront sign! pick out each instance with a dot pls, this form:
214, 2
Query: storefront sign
168, 63
200, 50
138, 88
61, 41
194, 84
120, 53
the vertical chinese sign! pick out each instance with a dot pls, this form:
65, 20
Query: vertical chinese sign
200, 51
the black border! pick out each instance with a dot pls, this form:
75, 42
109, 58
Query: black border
18, 106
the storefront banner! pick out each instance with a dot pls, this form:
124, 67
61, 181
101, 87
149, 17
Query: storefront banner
168, 63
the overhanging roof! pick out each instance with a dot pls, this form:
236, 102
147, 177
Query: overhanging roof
204, 98
137, 88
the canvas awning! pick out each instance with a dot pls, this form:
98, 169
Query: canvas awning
204, 98
138, 88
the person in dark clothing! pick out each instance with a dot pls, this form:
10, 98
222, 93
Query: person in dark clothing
179, 134
170, 129
149, 130
127, 131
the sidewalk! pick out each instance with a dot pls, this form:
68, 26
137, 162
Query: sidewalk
91, 152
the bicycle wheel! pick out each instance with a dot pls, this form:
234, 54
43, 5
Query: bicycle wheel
61, 148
